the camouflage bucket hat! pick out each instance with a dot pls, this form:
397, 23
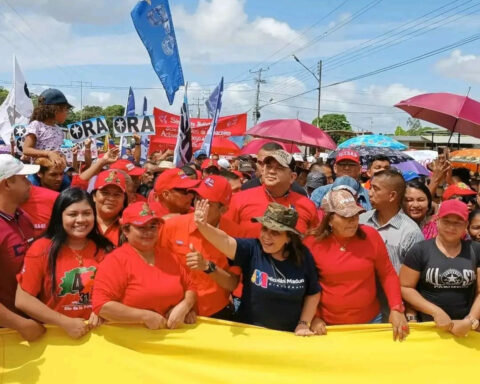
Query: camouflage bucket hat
279, 218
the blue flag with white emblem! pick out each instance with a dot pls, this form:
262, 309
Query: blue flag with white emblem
153, 21
214, 105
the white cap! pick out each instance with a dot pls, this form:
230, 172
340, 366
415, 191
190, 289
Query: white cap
10, 166
224, 163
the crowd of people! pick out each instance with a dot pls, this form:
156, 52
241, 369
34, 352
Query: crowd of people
270, 239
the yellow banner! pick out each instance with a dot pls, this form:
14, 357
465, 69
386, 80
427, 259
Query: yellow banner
222, 352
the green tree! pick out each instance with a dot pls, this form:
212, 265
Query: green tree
414, 128
110, 112
90, 111
334, 122
3, 94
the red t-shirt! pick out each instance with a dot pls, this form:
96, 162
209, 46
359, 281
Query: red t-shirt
253, 202
16, 235
347, 278
176, 235
125, 277
78, 182
73, 282
39, 207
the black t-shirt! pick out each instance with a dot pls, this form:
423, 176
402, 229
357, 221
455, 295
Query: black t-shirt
273, 291
449, 283
255, 182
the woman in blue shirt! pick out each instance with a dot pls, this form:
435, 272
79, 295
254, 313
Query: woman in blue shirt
280, 283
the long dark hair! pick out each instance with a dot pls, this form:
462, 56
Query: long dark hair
295, 250
56, 233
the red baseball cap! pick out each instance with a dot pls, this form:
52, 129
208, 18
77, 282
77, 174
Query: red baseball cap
138, 213
209, 163
127, 166
110, 177
459, 189
453, 207
215, 188
347, 154
174, 178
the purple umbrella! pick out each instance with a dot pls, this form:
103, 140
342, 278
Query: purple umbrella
412, 165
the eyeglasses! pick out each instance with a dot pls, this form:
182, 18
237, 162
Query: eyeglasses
347, 165
468, 199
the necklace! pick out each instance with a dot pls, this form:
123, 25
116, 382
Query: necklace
276, 270
343, 247
78, 255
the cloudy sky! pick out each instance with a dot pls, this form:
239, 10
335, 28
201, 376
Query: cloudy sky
62, 43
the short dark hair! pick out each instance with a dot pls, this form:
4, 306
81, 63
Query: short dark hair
229, 175
463, 174
378, 158
396, 181
189, 171
415, 184
271, 146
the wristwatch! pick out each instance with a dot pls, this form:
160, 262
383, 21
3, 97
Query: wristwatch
211, 267
399, 308
475, 322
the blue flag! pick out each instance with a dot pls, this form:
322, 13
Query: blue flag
183, 148
153, 21
144, 109
129, 111
214, 105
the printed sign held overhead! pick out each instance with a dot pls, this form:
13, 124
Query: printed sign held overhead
133, 125
92, 128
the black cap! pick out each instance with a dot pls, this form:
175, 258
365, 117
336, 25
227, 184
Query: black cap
52, 96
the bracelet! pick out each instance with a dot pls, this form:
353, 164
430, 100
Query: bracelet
303, 322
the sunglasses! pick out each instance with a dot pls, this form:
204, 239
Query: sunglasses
468, 199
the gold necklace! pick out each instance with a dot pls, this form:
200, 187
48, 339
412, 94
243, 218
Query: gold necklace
79, 256
343, 247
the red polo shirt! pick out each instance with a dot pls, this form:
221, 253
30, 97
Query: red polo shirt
176, 235
39, 207
112, 232
16, 235
253, 203
124, 276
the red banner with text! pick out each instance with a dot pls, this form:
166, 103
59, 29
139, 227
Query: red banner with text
166, 129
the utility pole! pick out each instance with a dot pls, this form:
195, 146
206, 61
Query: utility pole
317, 77
82, 84
258, 80
319, 91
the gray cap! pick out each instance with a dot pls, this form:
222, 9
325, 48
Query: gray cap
316, 179
348, 183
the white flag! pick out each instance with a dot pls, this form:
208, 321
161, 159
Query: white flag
17, 107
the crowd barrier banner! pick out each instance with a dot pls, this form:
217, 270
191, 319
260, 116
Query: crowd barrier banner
214, 351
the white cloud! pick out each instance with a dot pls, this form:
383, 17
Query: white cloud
458, 66
101, 97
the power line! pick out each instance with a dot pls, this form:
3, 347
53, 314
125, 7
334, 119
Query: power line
409, 61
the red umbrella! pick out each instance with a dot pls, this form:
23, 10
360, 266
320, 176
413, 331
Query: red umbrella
254, 146
293, 131
454, 112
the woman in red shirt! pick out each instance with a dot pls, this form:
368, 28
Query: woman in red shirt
56, 281
141, 283
348, 257
110, 199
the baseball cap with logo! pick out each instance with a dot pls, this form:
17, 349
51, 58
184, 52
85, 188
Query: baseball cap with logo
127, 166
459, 189
342, 203
52, 96
282, 157
347, 154
10, 166
453, 207
215, 188
279, 218
110, 177
138, 213
174, 178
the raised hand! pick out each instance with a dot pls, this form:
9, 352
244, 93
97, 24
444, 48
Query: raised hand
201, 212
195, 260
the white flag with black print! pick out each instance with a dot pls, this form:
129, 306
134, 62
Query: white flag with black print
17, 107
183, 148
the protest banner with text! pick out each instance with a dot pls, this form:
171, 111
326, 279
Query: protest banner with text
133, 125
91, 128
